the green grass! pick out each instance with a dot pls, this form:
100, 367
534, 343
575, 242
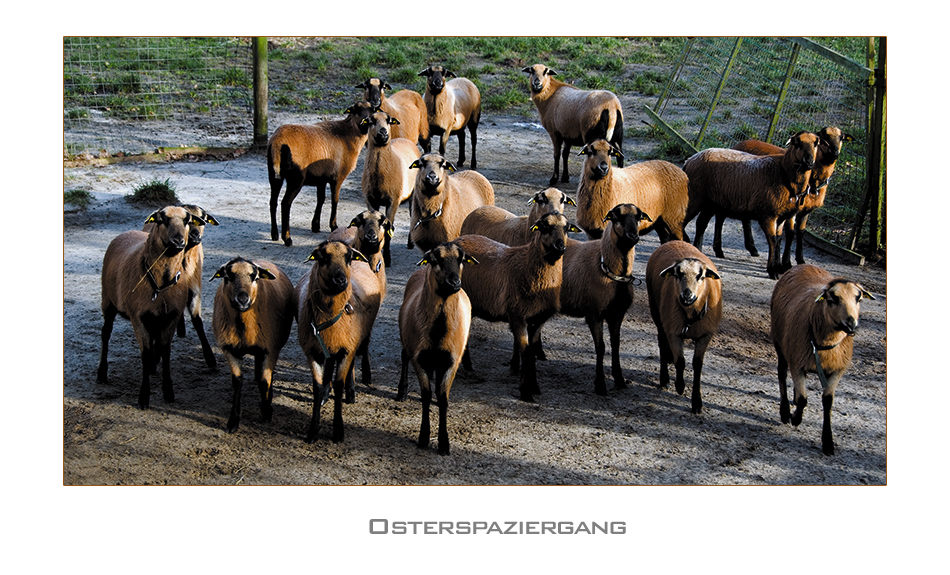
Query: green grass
79, 198
154, 193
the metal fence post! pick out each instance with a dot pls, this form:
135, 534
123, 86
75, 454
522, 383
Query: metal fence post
719, 88
259, 49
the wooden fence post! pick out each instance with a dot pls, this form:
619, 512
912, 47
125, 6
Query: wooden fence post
259, 50
875, 160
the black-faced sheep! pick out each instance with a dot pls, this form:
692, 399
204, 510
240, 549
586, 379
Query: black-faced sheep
406, 105
442, 198
745, 186
503, 226
253, 315
597, 285
313, 155
574, 117
814, 316
337, 303
387, 180
657, 187
685, 295
452, 106
434, 322
520, 285
140, 282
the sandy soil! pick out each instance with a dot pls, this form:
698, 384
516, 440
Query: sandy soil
639, 435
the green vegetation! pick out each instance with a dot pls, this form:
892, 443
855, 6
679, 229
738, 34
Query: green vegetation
154, 193
79, 198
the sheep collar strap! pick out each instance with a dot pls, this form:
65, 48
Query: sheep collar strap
815, 348
690, 322
622, 279
317, 329
435, 215
156, 289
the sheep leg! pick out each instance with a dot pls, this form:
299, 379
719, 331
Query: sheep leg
144, 391
237, 383
319, 398
596, 327
699, 352
519, 330
773, 267
275, 186
108, 320
426, 392
666, 356
702, 220
749, 240
168, 394
564, 156
613, 326
784, 410
349, 384
444, 380
206, 351
318, 210
789, 229
293, 188
334, 200
473, 130
264, 374
345, 366
181, 321
717, 239
461, 138
557, 142
800, 220
365, 372
827, 443
801, 396
618, 137
402, 390
466, 360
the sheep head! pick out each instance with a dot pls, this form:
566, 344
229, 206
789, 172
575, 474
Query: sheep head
538, 77
829, 145
240, 282
549, 200
623, 225
800, 153
599, 152
552, 229
433, 170
373, 91
332, 266
446, 261
377, 127
691, 275
202, 217
372, 229
358, 112
840, 303
436, 76
172, 227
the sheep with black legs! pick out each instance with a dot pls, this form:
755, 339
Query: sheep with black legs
387, 180
745, 186
313, 155
337, 303
814, 318
685, 295
253, 315
520, 285
434, 322
141, 275
441, 199
598, 282
406, 105
574, 117
659, 188
191, 277
503, 226
452, 106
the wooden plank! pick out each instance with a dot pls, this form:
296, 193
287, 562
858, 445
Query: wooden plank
669, 129
160, 155
850, 257
833, 56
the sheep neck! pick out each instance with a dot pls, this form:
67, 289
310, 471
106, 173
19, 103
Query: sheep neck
163, 263
689, 322
612, 253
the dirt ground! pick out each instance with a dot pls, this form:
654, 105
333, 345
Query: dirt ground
638, 435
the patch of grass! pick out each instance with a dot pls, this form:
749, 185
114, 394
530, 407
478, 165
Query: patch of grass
79, 198
154, 193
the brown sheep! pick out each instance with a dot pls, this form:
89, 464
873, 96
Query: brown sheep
685, 295
140, 282
337, 303
657, 187
406, 105
313, 155
253, 314
505, 227
829, 149
814, 316
574, 117
387, 180
745, 186
597, 285
452, 106
434, 322
520, 285
441, 199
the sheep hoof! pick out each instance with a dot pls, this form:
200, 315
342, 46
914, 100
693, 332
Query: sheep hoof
443, 450
828, 449
288, 242
233, 425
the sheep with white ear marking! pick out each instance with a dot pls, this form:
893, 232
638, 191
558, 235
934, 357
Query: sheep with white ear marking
140, 281
442, 198
313, 155
520, 285
574, 117
503, 226
434, 322
452, 106
744, 186
814, 318
191, 277
659, 188
685, 295
337, 304
406, 105
387, 180
597, 285
253, 315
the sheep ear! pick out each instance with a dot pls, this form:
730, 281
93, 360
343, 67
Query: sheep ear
355, 223
358, 256
423, 261
569, 200
574, 229
645, 216
469, 260
364, 121
416, 164
527, 69
316, 250
611, 216
393, 121
820, 297
426, 72
220, 273
194, 218
153, 217
550, 72
847, 138
386, 86
865, 294
668, 271
449, 166
449, 74
615, 152
266, 274
712, 275
209, 219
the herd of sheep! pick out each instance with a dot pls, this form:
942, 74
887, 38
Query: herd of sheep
481, 261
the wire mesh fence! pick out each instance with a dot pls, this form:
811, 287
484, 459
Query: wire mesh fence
132, 95
725, 90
